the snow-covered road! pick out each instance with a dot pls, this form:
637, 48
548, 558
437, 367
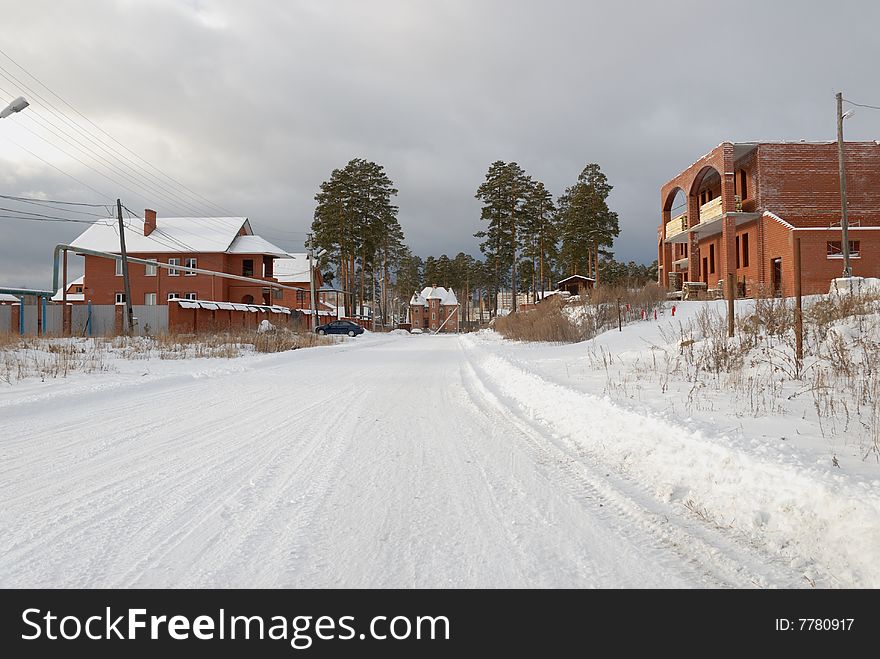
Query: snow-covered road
387, 461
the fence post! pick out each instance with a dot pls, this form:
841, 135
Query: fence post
730, 305
619, 322
798, 308
21, 315
43, 313
89, 319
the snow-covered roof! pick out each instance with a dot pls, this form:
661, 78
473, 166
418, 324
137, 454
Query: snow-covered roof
580, 277
449, 299
172, 234
254, 245
230, 306
5, 297
446, 297
71, 297
291, 268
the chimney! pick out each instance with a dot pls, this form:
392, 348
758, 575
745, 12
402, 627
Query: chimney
149, 221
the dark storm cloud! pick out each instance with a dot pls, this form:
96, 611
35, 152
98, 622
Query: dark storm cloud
253, 104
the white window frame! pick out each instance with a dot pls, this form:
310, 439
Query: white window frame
120, 298
171, 271
119, 266
150, 270
191, 262
149, 299
853, 252
190, 296
173, 296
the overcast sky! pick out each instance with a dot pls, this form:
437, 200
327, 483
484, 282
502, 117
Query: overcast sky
252, 104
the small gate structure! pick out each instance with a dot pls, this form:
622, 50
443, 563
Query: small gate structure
28, 318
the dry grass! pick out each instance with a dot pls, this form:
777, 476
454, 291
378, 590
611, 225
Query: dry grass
547, 322
579, 319
49, 358
758, 369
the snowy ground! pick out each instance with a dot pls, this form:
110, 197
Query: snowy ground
415, 461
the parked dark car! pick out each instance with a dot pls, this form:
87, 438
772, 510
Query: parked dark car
340, 327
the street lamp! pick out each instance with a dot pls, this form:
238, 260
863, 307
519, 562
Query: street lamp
844, 215
17, 105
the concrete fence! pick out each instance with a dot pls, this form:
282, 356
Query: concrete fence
83, 319
183, 316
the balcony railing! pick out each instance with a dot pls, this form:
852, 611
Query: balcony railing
710, 210
676, 226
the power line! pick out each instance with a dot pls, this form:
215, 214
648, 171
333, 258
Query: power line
862, 105
51, 201
70, 176
104, 144
162, 238
49, 219
99, 158
143, 184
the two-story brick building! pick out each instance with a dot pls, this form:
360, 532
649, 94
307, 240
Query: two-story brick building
220, 244
743, 204
434, 309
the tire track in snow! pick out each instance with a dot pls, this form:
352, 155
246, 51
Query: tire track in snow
722, 558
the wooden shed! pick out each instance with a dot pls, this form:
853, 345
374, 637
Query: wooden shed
576, 284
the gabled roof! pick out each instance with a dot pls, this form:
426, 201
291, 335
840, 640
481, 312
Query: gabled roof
434, 292
71, 297
254, 245
291, 268
446, 296
172, 234
575, 278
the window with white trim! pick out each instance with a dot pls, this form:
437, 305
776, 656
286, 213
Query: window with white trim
173, 296
190, 296
190, 263
150, 299
171, 271
120, 298
835, 249
118, 267
150, 270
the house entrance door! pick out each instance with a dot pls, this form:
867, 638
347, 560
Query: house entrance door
777, 277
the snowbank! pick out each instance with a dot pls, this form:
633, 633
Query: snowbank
770, 476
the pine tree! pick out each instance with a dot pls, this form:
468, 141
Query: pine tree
504, 194
540, 234
586, 223
356, 223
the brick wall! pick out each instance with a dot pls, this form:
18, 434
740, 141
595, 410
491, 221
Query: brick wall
102, 283
801, 181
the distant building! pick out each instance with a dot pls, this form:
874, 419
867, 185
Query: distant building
74, 292
576, 284
435, 309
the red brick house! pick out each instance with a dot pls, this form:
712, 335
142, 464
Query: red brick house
745, 203
293, 270
75, 293
221, 244
434, 309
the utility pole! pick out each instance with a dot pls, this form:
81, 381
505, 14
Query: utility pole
314, 301
798, 309
844, 216
126, 282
